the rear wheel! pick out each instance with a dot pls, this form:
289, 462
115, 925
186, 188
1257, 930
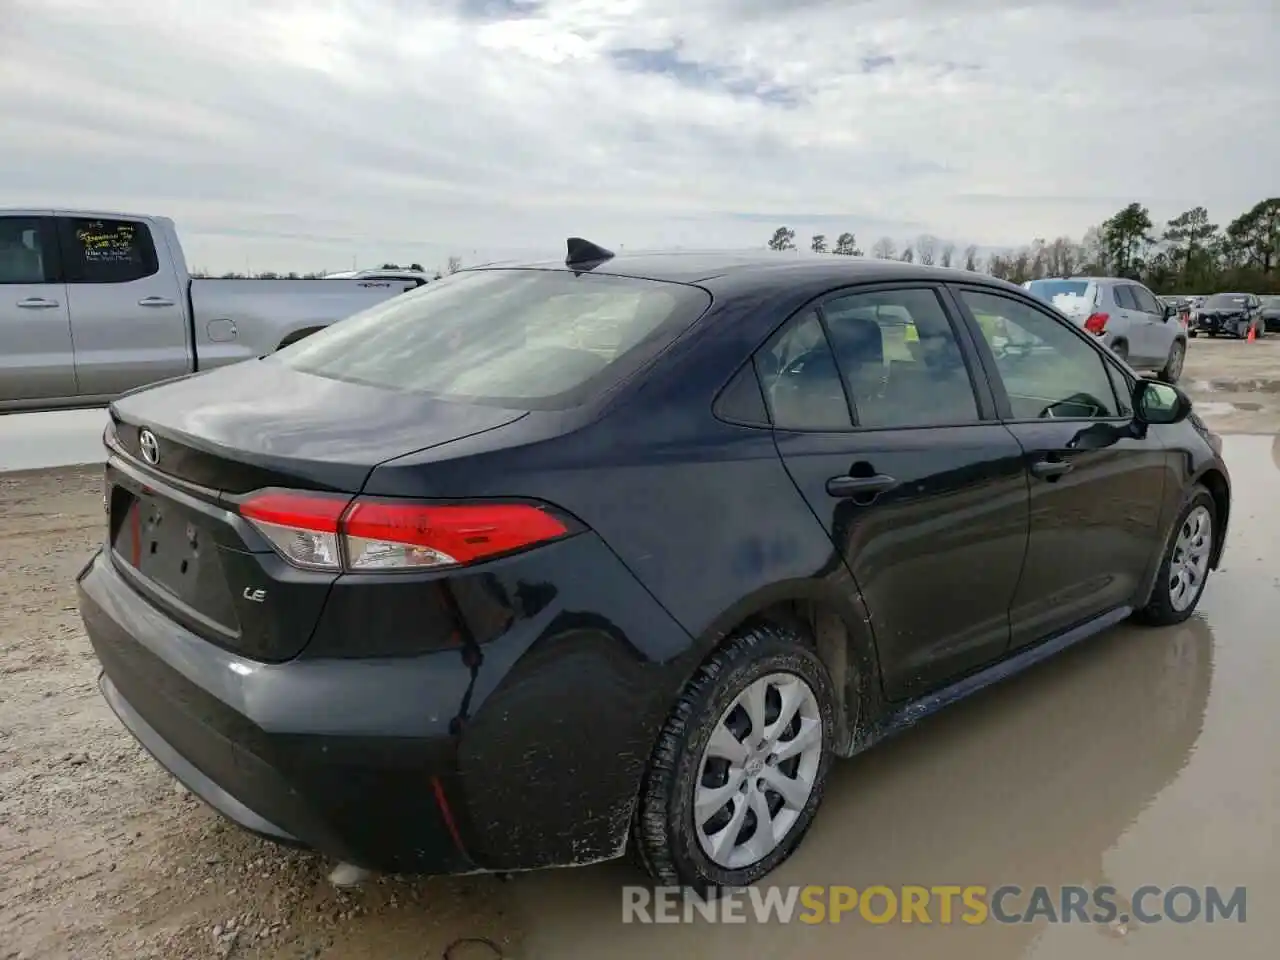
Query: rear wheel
1184, 570
1173, 366
1121, 350
740, 766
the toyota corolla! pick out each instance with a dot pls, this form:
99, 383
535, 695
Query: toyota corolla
537, 566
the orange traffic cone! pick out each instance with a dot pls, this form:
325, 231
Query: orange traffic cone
1253, 334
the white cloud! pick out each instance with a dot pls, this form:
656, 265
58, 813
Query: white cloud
302, 134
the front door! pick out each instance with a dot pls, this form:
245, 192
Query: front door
924, 500
126, 306
1096, 482
36, 361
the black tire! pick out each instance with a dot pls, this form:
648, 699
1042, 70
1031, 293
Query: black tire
1193, 334
1172, 371
1159, 610
1121, 349
664, 836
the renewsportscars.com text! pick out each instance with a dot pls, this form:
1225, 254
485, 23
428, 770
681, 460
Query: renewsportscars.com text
969, 905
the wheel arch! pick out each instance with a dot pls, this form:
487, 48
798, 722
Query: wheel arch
1213, 480
297, 335
835, 622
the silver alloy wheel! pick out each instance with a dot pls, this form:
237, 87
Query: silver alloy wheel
1175, 361
1190, 562
758, 770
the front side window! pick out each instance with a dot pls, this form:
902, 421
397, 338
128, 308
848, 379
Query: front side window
531, 339
1147, 302
1125, 298
24, 257
1048, 370
800, 380
107, 251
901, 359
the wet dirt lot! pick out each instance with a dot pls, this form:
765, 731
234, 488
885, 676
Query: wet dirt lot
1142, 757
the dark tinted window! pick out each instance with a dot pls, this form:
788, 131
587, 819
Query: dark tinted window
1147, 302
1048, 370
800, 380
532, 339
1226, 301
741, 400
107, 251
900, 358
26, 250
1125, 298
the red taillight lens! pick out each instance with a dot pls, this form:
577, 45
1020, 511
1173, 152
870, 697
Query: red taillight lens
303, 527
1097, 322
324, 532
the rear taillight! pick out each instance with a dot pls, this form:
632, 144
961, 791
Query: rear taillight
1097, 323
332, 532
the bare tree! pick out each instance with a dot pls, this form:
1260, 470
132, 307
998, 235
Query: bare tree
908, 255
454, 265
884, 249
926, 249
948, 254
971, 258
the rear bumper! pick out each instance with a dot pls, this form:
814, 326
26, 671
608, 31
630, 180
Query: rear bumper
524, 752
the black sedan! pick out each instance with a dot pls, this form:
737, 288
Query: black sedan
535, 566
1229, 314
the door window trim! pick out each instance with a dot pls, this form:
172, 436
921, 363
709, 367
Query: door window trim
51, 250
988, 358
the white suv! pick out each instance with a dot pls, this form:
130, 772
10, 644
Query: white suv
1124, 315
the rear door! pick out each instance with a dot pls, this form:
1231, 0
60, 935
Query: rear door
1137, 325
1096, 482
1160, 332
892, 442
127, 320
35, 338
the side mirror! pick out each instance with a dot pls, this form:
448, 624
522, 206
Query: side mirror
1168, 310
1156, 402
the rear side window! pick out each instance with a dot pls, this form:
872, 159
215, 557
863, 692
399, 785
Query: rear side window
107, 251
530, 339
1124, 297
800, 380
900, 359
27, 253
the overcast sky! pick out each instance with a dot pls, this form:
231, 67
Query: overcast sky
303, 135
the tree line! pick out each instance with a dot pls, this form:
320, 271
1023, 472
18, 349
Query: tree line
1188, 255
454, 265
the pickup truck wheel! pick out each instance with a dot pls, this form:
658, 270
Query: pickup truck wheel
1173, 366
1193, 334
739, 769
1184, 569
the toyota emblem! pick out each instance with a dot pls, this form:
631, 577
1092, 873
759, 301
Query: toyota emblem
150, 447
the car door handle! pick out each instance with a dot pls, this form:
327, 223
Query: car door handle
1050, 469
155, 302
845, 487
38, 303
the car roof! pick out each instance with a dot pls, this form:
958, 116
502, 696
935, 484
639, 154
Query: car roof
725, 271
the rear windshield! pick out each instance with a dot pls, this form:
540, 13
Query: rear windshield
1226, 300
1048, 289
531, 339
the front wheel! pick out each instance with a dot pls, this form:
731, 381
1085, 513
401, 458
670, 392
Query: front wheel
1184, 570
740, 766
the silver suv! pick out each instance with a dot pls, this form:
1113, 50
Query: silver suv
1124, 315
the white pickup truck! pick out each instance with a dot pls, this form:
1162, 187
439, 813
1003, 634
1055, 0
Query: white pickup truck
94, 304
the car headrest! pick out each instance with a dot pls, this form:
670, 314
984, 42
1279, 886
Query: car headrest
856, 341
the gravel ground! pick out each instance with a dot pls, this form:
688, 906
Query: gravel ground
103, 855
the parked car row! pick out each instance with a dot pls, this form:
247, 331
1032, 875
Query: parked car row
1228, 314
537, 566
95, 304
